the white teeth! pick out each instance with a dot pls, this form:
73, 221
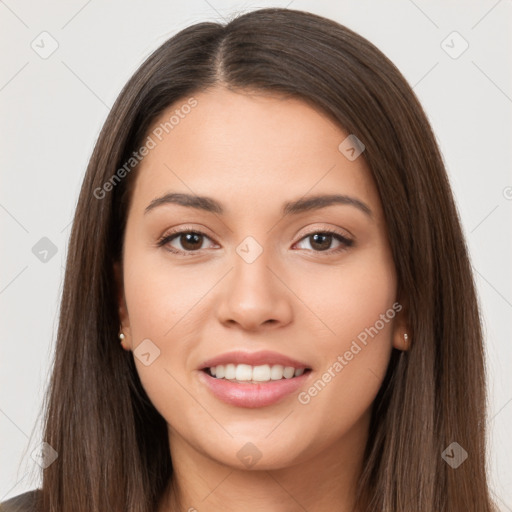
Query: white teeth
243, 372
230, 372
288, 372
262, 373
276, 373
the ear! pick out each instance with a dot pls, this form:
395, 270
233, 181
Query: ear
124, 328
402, 335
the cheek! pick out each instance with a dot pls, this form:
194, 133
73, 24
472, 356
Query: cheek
165, 311
158, 301
159, 296
343, 300
358, 305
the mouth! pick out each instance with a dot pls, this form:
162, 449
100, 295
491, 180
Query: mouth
249, 374
254, 379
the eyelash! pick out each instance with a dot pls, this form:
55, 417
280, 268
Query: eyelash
346, 242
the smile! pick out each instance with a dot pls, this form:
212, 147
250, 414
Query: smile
254, 374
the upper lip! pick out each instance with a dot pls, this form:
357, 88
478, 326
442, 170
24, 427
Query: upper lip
253, 359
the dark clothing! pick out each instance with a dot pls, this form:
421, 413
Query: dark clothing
25, 502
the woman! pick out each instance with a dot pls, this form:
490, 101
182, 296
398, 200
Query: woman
267, 228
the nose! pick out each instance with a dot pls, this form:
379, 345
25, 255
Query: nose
253, 295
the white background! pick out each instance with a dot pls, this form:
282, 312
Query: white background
52, 111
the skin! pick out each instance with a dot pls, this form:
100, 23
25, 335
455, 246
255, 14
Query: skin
252, 152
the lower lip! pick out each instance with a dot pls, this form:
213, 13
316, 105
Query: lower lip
252, 395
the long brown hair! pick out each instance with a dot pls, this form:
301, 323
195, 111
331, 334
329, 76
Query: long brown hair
112, 443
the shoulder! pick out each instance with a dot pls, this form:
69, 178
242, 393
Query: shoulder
25, 502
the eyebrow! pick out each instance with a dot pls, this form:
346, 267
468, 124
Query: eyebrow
303, 204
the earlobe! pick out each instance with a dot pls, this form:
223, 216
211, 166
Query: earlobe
402, 336
122, 337
401, 340
124, 327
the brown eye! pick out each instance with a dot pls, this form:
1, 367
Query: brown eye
321, 241
190, 241
184, 242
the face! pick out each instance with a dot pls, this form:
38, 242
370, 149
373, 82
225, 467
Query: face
291, 302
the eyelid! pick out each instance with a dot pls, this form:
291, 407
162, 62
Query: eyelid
343, 233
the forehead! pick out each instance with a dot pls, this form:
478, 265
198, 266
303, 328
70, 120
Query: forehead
251, 148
